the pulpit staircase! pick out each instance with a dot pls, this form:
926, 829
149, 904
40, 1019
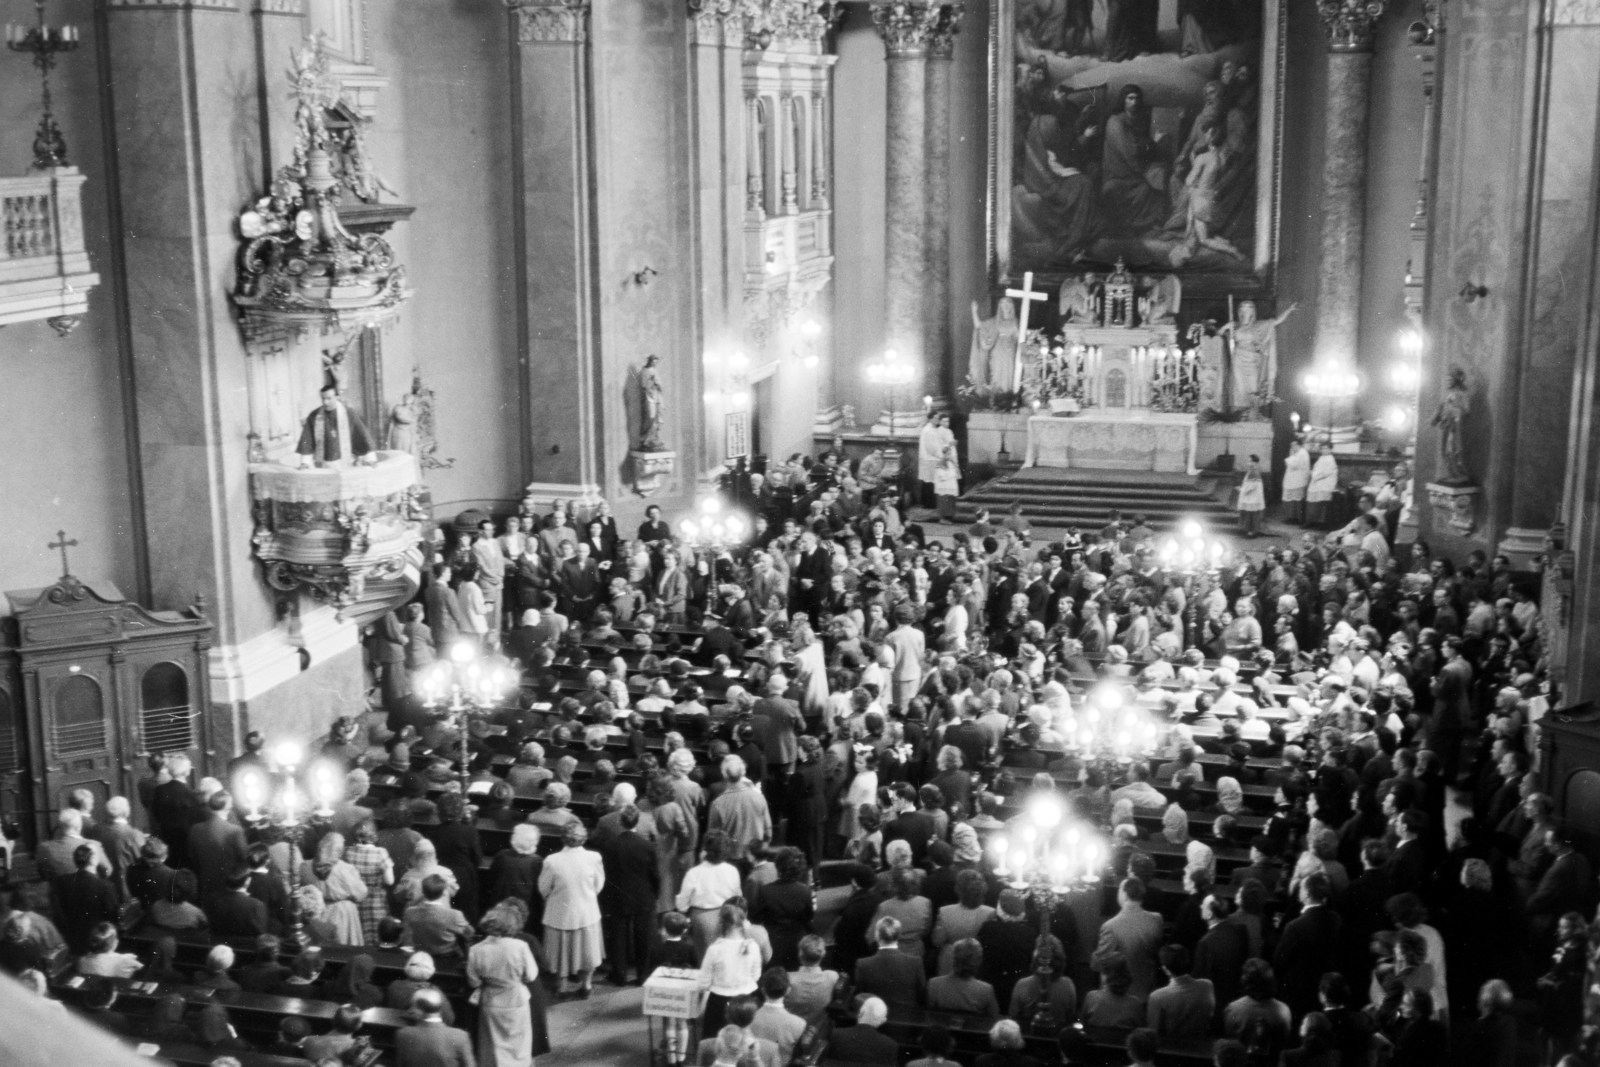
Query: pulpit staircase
1055, 498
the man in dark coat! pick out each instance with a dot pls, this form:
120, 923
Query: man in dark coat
1222, 951
441, 610
84, 900
855, 919
234, 912
174, 808
806, 801
266, 886
896, 977
216, 846
431, 1043
1309, 947
1363, 908
628, 901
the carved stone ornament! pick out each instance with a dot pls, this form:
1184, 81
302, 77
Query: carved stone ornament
801, 21
1455, 508
299, 266
908, 27
651, 470
551, 21
715, 23
1350, 23
943, 42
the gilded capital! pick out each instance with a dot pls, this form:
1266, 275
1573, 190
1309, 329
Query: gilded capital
942, 44
551, 21
908, 26
1350, 23
714, 22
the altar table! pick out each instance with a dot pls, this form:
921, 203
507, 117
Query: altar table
1136, 440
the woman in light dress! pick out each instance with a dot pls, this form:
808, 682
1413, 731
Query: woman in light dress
813, 671
570, 884
424, 861
499, 968
342, 888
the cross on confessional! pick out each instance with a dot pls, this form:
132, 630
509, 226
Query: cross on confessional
1027, 295
63, 544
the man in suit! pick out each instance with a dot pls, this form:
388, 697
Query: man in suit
174, 808
1264, 866
910, 825
1309, 947
1566, 886
267, 887
778, 724
150, 879
216, 846
233, 912
1184, 1007
862, 1043
628, 901
441, 610
909, 646
775, 1022
1408, 866
578, 577
433, 926
897, 977
1363, 909
850, 932
811, 575
1220, 955
806, 801
84, 900
55, 857
1135, 933
430, 1043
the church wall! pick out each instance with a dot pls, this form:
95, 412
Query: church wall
441, 139
66, 460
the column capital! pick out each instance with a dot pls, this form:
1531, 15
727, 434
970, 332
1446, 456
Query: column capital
907, 26
548, 21
942, 41
1350, 23
715, 23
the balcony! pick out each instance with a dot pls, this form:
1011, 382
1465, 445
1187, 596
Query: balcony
44, 270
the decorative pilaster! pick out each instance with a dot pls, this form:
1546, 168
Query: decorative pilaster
941, 50
551, 21
714, 23
755, 185
819, 151
1350, 25
908, 29
791, 152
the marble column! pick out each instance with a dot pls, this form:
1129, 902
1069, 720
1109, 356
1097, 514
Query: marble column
553, 211
755, 185
939, 379
1350, 25
908, 29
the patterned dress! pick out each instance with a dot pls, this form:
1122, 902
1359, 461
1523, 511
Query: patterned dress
370, 862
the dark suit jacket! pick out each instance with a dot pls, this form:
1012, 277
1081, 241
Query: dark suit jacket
850, 931
1308, 948
269, 889
916, 829
216, 846
85, 900
173, 808
442, 612
1220, 957
1565, 887
862, 1044
633, 880
433, 1045
895, 977
235, 914
1408, 868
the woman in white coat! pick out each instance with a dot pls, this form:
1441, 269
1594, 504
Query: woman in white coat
1324, 480
570, 884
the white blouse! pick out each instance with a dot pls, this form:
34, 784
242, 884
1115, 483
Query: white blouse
732, 967
708, 886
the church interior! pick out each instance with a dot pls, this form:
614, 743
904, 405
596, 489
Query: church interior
503, 490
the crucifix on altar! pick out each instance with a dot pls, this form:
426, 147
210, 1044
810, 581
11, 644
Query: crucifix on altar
1027, 296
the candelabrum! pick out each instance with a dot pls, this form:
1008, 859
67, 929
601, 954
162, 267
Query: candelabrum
1047, 855
463, 683
284, 811
1405, 375
891, 371
1192, 556
714, 527
1331, 383
44, 43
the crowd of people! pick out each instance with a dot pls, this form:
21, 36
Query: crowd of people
781, 767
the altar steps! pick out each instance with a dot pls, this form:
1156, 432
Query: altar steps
1053, 497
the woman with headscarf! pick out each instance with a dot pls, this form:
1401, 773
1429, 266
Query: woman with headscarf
341, 886
1174, 826
376, 869
354, 983
571, 882
216, 1033
1122, 814
314, 911
964, 843
1230, 797
219, 961
461, 851
419, 972
424, 861
1199, 855
499, 968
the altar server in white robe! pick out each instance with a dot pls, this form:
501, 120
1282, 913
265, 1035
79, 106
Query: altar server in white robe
1324, 480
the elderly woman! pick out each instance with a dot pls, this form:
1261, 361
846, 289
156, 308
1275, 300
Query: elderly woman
570, 883
419, 971
219, 961
500, 967
424, 861
342, 889
460, 850
1174, 826
555, 816
514, 874
961, 920
1009, 1046
1230, 797
376, 869
706, 887
529, 774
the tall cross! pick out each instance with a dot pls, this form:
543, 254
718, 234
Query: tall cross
1027, 295
63, 544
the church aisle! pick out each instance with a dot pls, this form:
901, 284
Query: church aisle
605, 1029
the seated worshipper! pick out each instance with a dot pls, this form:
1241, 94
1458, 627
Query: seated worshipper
419, 971
529, 775
164, 1025
264, 971
333, 1045
1183, 1008
424, 862
160, 968
554, 816
304, 979
104, 959
354, 985
219, 961
1112, 1005
962, 990
862, 1043
433, 926
811, 988
179, 911
1143, 795
897, 977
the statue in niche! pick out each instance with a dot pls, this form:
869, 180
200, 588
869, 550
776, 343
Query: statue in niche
1453, 410
1159, 304
333, 435
650, 396
994, 346
1255, 357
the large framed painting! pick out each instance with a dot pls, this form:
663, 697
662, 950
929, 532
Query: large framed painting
1145, 131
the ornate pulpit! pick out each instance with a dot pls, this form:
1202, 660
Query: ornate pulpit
1569, 756
90, 684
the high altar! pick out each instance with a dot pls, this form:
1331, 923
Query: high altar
1122, 395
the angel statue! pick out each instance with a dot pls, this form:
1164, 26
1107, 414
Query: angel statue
1453, 410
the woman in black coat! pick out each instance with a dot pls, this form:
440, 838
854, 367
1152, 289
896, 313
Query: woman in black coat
460, 850
1490, 1040
786, 907
1421, 1040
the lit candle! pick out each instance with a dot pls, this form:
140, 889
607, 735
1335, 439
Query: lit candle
289, 802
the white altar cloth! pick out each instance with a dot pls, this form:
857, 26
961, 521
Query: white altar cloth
1136, 440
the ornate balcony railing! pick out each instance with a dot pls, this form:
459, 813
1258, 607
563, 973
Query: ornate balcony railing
44, 269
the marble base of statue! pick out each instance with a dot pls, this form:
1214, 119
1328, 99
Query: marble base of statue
1455, 507
651, 469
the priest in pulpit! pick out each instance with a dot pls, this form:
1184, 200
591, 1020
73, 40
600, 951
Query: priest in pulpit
333, 435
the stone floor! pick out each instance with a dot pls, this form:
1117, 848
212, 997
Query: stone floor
605, 1029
